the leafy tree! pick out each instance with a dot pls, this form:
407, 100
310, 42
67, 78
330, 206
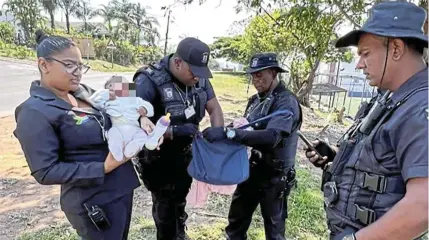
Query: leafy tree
28, 14
142, 22
107, 12
85, 12
50, 6
6, 32
231, 48
69, 7
302, 35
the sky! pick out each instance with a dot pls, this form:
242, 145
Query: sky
212, 19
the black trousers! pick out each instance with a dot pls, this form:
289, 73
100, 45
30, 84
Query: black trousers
169, 183
246, 198
119, 214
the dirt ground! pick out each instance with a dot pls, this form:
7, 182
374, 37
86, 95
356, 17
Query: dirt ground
26, 205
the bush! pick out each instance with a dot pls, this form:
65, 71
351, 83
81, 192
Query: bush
125, 54
12, 50
7, 33
63, 33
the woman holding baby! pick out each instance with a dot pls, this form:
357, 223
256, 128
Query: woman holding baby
63, 137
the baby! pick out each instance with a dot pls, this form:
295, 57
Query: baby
118, 99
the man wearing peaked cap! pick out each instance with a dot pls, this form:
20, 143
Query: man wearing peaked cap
274, 142
376, 184
179, 84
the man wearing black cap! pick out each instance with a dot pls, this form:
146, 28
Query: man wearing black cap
274, 142
376, 185
179, 85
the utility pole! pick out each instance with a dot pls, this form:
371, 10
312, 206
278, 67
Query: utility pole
166, 32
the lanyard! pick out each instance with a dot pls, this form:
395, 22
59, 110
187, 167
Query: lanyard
252, 109
180, 91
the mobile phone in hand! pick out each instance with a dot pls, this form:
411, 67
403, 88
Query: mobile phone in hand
309, 144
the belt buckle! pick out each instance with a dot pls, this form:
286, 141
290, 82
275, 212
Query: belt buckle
365, 215
376, 183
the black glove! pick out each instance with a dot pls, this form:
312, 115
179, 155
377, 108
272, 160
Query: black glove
214, 134
325, 150
185, 130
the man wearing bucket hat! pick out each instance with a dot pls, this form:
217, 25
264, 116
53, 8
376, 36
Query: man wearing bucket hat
178, 84
376, 185
274, 142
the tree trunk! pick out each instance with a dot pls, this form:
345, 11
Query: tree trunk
303, 96
109, 23
68, 23
51, 14
138, 37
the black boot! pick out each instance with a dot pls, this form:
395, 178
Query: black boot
181, 228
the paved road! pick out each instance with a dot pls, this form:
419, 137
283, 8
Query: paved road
15, 80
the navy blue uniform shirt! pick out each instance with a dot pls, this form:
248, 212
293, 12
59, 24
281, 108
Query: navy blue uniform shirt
284, 147
148, 91
405, 134
67, 147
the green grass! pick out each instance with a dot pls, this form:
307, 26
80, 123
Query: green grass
306, 218
103, 66
351, 103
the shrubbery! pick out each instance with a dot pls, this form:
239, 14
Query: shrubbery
7, 33
12, 50
125, 54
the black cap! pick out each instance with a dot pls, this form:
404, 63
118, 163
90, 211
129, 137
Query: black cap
390, 19
197, 55
261, 61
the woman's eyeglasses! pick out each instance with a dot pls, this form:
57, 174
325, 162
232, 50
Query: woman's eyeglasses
72, 67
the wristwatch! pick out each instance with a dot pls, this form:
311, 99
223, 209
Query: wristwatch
230, 133
349, 237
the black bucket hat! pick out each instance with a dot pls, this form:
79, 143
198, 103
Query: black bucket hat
261, 61
390, 19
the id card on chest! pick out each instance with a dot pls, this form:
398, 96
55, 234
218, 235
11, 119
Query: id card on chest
189, 112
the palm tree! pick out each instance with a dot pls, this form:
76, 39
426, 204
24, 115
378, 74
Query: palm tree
108, 13
85, 12
69, 7
50, 6
142, 22
122, 9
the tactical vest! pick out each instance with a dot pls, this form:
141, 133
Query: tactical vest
359, 189
172, 100
283, 155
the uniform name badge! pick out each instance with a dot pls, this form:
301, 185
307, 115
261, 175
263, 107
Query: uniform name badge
189, 112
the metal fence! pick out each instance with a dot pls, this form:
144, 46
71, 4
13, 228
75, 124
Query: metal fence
355, 90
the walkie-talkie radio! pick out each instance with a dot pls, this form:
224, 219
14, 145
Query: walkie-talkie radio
374, 114
98, 217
